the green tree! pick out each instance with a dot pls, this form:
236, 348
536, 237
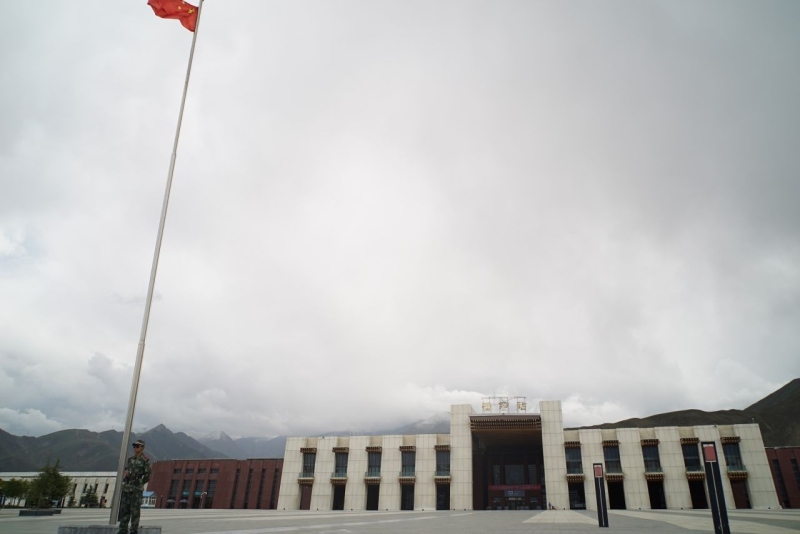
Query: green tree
50, 486
89, 499
14, 490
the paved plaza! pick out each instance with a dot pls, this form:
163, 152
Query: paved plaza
447, 522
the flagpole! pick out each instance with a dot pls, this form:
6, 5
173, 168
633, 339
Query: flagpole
123, 454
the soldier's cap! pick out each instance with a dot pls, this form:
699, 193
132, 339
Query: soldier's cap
138, 442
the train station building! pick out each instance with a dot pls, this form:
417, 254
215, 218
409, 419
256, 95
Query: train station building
502, 459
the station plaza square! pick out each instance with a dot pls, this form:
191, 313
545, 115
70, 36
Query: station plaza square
446, 521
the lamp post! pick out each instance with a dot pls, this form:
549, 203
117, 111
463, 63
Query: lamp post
203, 499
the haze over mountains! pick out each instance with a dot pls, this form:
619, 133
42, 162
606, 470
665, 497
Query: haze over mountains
82, 450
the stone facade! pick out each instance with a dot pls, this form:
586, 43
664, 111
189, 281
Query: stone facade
656, 467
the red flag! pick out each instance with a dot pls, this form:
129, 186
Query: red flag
176, 9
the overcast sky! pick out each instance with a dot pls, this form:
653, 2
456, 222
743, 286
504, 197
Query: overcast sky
382, 208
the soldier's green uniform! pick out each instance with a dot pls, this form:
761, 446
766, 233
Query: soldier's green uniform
137, 474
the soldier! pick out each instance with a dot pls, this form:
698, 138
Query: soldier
136, 475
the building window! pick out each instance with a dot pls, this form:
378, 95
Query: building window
652, 461
733, 457
309, 459
214, 470
691, 457
212, 487
796, 473
409, 459
533, 474
105, 490
611, 456
198, 487
574, 464
176, 471
496, 474
373, 464
261, 487
235, 488
190, 471
443, 463
776, 473
247, 488
274, 493
201, 471
341, 464
515, 474
185, 493
173, 488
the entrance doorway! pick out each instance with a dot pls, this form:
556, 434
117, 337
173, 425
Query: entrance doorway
507, 462
658, 500
577, 496
697, 491
443, 496
338, 497
373, 495
616, 496
407, 497
305, 497
740, 496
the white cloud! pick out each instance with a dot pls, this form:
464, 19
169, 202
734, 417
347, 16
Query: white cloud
27, 422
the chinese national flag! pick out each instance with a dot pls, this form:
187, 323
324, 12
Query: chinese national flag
176, 9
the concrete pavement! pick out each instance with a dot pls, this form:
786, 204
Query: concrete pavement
447, 522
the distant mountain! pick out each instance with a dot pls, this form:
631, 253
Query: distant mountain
222, 443
14, 452
438, 423
779, 415
243, 448
75, 450
262, 447
776, 415
163, 444
82, 450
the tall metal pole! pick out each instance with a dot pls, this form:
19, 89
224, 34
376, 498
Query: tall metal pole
123, 454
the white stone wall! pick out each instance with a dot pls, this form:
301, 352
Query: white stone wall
760, 484
630, 453
289, 497
591, 453
676, 488
424, 487
355, 494
460, 457
322, 490
711, 433
555, 461
390, 473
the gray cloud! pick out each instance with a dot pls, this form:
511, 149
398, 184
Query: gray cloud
381, 209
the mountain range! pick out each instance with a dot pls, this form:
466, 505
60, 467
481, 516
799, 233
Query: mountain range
82, 450
777, 414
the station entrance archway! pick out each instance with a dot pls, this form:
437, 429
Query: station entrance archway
507, 462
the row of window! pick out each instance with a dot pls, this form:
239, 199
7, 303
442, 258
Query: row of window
408, 463
652, 460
